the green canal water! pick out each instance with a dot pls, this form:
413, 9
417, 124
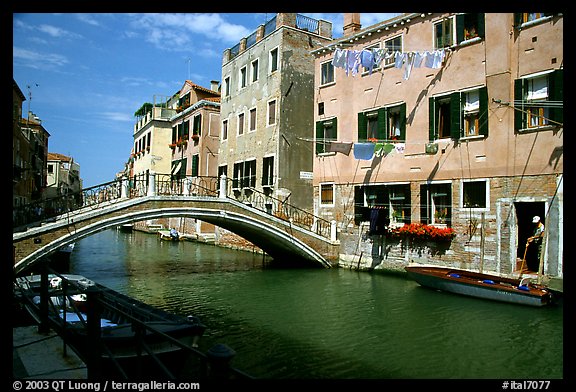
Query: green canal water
326, 324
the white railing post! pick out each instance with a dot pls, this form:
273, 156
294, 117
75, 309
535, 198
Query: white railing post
151, 184
186, 184
333, 230
124, 187
223, 189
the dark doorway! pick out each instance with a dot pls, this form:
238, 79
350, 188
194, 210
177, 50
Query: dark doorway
525, 211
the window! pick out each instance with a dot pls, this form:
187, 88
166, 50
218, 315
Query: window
273, 60
469, 26
471, 109
238, 175
444, 33
271, 113
475, 194
436, 204
391, 46
327, 73
538, 100
254, 71
195, 165
326, 131
249, 179
197, 125
222, 171
326, 194
459, 114
320, 108
252, 120
388, 123
227, 86
225, 130
394, 199
240, 124
268, 171
528, 18
242, 80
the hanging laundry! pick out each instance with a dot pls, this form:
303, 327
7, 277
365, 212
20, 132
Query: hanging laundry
379, 55
429, 62
418, 59
378, 149
364, 151
353, 63
339, 59
408, 63
438, 58
400, 147
367, 60
398, 59
343, 148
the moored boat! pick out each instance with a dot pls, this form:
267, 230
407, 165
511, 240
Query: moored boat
130, 329
481, 285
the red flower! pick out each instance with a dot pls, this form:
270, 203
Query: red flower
423, 232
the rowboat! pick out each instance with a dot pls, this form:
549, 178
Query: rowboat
481, 285
130, 329
166, 236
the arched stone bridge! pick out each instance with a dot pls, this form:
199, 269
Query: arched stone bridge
279, 238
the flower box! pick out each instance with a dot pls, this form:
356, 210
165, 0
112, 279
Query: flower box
420, 231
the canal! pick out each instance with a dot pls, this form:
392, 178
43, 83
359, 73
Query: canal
317, 323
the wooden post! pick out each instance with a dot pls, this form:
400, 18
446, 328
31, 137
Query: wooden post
93, 313
482, 245
43, 327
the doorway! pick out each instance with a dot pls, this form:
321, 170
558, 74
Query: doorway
525, 211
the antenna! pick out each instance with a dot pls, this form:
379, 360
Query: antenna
29, 100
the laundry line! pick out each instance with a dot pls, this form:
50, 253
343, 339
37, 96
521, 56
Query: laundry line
351, 59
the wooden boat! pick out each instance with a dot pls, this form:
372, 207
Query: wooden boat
121, 316
475, 284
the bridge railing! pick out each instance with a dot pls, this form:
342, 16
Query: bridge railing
50, 208
167, 184
281, 209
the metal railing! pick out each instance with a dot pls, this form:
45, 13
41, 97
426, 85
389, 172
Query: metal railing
167, 184
52, 313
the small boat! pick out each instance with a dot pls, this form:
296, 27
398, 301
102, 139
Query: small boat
127, 227
167, 236
120, 317
475, 284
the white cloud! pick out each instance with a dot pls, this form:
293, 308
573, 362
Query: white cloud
38, 60
175, 31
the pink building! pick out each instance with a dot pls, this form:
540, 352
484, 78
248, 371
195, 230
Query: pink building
450, 120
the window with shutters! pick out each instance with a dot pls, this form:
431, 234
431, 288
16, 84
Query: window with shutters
469, 27
327, 194
197, 125
444, 33
383, 124
538, 101
326, 131
249, 179
327, 73
394, 199
459, 114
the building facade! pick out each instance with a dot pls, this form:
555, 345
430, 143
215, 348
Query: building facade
449, 120
63, 176
266, 110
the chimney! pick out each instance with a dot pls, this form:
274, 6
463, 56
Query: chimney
351, 23
214, 85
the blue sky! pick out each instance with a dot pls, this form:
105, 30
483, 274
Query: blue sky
89, 73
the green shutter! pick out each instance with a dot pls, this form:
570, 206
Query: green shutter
459, 28
481, 24
483, 114
195, 165
556, 84
403, 122
518, 20
362, 127
518, 104
432, 129
455, 115
382, 124
320, 137
334, 136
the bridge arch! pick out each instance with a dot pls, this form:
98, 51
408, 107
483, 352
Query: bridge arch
273, 238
